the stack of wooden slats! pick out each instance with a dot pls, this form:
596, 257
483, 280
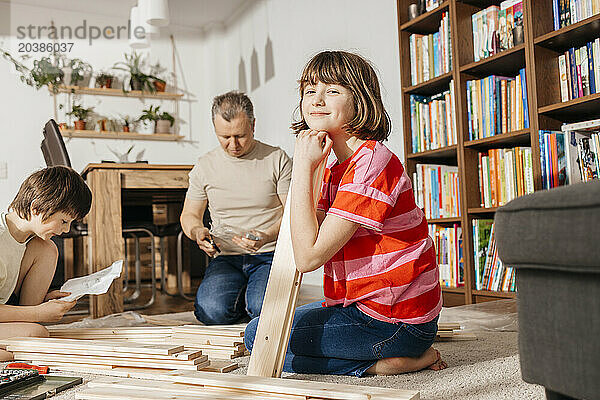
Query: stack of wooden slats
133, 333
100, 354
223, 341
449, 331
217, 342
203, 385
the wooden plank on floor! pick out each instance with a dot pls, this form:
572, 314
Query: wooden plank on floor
39, 358
115, 346
182, 355
267, 387
222, 366
180, 389
277, 314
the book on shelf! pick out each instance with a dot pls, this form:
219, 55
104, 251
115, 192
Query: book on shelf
448, 244
579, 71
582, 150
490, 272
432, 120
504, 174
497, 104
567, 12
430, 55
493, 28
437, 190
432, 4
569, 156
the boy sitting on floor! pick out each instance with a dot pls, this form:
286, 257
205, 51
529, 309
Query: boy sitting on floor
46, 204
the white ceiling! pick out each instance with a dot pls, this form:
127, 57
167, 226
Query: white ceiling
185, 13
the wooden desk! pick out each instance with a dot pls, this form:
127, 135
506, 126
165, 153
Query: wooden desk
108, 183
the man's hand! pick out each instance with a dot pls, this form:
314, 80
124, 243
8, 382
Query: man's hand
201, 236
247, 241
55, 294
53, 310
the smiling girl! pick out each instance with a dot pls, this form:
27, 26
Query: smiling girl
381, 280
46, 204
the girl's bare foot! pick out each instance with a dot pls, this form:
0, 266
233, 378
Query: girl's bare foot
398, 365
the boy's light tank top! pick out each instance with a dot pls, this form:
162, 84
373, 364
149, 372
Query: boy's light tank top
11, 254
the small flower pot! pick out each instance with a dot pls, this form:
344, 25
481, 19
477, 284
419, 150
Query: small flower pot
163, 126
79, 125
160, 86
125, 129
62, 126
146, 126
107, 84
136, 84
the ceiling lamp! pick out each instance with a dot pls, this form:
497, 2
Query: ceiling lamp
134, 41
158, 13
143, 9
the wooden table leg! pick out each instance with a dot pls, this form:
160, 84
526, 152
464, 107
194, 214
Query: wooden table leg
105, 237
173, 213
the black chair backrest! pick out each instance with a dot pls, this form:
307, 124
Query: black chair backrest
53, 146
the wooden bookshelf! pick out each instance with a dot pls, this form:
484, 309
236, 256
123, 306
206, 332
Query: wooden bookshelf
538, 54
431, 86
516, 138
441, 153
442, 221
426, 22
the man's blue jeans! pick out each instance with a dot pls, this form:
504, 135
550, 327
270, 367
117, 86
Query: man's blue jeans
345, 341
233, 288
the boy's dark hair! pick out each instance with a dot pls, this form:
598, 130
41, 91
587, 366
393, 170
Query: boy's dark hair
371, 121
52, 190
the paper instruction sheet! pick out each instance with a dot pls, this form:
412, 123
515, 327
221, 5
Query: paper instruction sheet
96, 283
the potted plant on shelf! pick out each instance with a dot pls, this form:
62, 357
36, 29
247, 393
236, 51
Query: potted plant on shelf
126, 122
155, 121
158, 73
80, 113
165, 122
147, 122
104, 80
81, 72
134, 64
45, 71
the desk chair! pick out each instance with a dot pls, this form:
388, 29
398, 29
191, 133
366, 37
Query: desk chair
55, 153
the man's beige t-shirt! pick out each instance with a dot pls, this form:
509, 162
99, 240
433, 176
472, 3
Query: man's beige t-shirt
242, 192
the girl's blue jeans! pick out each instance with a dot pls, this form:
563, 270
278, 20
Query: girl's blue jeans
345, 341
233, 288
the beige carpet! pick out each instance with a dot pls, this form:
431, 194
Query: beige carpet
487, 368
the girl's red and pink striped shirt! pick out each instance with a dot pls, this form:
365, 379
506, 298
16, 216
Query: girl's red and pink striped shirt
388, 268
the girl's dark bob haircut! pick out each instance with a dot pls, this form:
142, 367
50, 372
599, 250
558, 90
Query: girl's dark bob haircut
371, 121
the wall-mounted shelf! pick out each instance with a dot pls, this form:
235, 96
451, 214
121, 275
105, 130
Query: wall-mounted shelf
165, 137
136, 94
118, 93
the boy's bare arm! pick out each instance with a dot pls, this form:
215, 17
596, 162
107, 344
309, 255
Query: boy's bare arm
50, 311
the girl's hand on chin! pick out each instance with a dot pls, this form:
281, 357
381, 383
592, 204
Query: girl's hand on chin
311, 147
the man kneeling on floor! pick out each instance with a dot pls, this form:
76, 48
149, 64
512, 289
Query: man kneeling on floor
244, 183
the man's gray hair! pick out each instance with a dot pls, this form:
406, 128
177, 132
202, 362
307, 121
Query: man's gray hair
230, 104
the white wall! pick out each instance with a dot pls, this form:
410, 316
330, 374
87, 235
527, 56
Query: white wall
209, 66
24, 110
299, 30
